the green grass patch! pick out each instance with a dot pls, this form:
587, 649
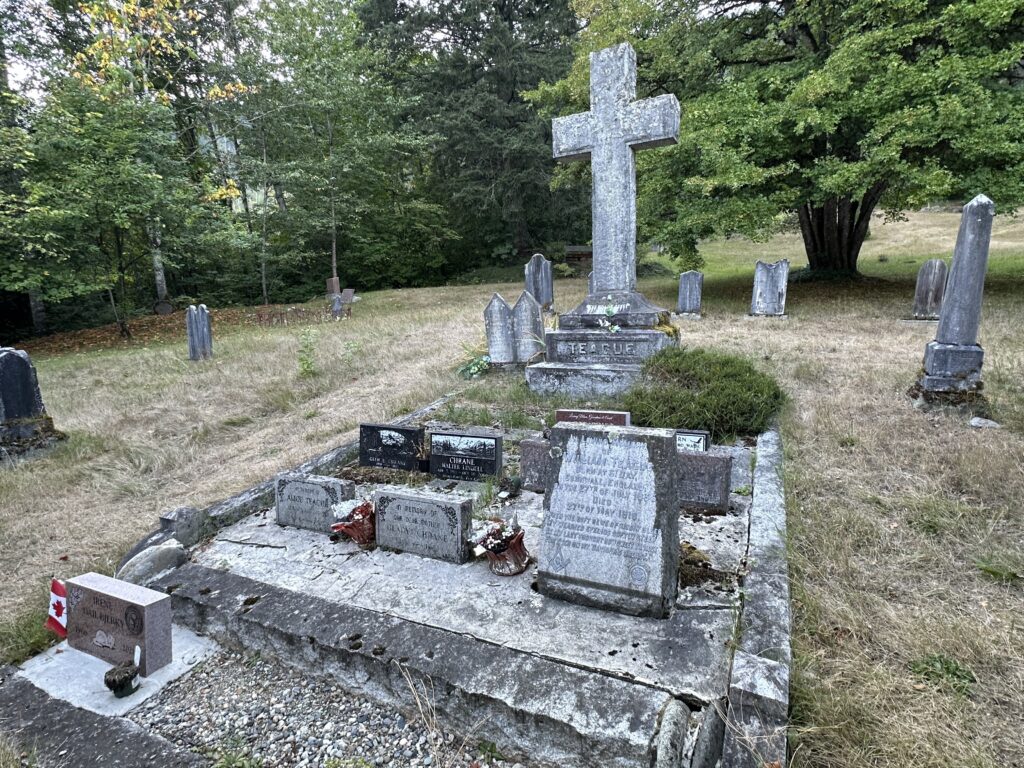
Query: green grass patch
1005, 567
702, 389
944, 671
24, 636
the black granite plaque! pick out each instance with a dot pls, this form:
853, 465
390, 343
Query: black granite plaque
465, 455
391, 447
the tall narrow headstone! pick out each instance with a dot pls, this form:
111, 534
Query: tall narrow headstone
540, 280
770, 282
931, 285
527, 328
691, 285
199, 332
952, 362
24, 425
498, 325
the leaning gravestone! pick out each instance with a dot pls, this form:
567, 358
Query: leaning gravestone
390, 447
423, 522
307, 501
952, 362
931, 285
527, 328
770, 282
469, 455
540, 280
498, 327
611, 532
24, 425
199, 332
609, 135
691, 285
107, 618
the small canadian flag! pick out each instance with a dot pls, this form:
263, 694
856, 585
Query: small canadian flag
57, 618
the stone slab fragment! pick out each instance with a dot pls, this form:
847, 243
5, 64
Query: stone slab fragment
424, 523
70, 675
611, 529
626, 347
580, 380
705, 480
952, 367
62, 734
306, 501
390, 447
471, 454
534, 463
758, 713
108, 618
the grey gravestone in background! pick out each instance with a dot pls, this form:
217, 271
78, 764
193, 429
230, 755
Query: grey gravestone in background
333, 286
611, 522
540, 281
691, 286
305, 501
390, 447
107, 618
199, 332
952, 363
931, 285
19, 387
424, 523
468, 455
527, 328
498, 326
770, 283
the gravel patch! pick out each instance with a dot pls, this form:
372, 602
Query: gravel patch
249, 712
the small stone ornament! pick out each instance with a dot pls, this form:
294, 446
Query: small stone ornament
123, 680
503, 546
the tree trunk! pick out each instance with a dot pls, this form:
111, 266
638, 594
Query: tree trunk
156, 248
834, 230
38, 310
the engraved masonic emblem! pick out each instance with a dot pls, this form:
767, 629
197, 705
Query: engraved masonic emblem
559, 562
638, 576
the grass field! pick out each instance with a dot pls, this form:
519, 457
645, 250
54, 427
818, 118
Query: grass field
907, 535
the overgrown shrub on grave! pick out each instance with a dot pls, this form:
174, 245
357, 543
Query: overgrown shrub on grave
703, 389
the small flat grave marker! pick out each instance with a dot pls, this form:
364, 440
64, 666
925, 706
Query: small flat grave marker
107, 618
305, 501
705, 480
692, 440
469, 455
423, 522
614, 418
390, 447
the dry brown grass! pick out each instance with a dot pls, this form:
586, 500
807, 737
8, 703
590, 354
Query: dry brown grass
891, 509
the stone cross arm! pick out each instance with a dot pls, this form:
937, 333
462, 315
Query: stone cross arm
643, 124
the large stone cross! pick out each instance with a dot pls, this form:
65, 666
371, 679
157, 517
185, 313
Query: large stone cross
614, 128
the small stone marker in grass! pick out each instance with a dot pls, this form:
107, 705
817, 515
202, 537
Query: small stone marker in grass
423, 522
705, 480
390, 447
199, 332
770, 284
470, 455
691, 285
611, 521
306, 501
931, 286
107, 618
613, 418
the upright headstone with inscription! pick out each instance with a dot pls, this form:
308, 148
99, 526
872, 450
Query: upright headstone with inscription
390, 447
306, 501
540, 280
611, 537
609, 135
107, 618
423, 522
952, 363
527, 328
498, 326
931, 286
469, 455
770, 284
691, 285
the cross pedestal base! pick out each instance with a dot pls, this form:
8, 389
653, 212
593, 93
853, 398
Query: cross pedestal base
626, 309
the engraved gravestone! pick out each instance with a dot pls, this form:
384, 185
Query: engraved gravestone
770, 283
423, 522
469, 455
705, 480
24, 424
305, 501
390, 447
498, 326
539, 280
931, 285
952, 362
199, 332
610, 537
527, 328
107, 618
691, 285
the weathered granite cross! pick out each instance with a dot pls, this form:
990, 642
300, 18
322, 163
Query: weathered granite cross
608, 134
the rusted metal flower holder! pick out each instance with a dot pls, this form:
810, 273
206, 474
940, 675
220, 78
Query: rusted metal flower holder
512, 560
362, 531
